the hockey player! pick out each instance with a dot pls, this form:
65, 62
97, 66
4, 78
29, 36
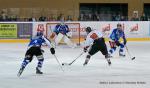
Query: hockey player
96, 41
62, 31
116, 34
34, 48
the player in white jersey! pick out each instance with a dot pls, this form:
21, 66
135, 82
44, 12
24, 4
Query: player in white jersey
34, 49
96, 43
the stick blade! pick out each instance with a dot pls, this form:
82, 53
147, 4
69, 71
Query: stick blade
133, 58
63, 64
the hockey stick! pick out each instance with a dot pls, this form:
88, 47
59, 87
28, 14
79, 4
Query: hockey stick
58, 62
132, 58
73, 60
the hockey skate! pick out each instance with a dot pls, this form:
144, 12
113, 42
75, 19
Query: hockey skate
107, 58
20, 71
109, 62
86, 62
121, 55
38, 71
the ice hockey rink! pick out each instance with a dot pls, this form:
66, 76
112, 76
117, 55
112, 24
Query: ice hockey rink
123, 73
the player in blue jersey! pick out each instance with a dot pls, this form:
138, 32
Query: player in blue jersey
62, 32
61, 28
34, 49
116, 34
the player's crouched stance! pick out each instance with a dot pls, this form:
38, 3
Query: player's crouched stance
34, 48
114, 40
95, 38
62, 32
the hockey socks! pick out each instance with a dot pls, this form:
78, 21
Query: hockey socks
87, 60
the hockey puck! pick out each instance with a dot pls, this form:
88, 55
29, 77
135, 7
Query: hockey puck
62, 64
133, 58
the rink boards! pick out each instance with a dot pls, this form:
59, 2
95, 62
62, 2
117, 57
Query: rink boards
23, 31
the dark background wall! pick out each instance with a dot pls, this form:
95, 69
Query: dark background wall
28, 8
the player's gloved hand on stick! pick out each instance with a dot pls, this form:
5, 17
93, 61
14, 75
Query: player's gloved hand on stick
85, 49
42, 50
125, 42
69, 34
52, 50
117, 43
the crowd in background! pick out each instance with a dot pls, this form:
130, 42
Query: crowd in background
82, 17
113, 17
5, 17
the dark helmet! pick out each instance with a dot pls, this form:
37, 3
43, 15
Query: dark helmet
88, 29
39, 33
119, 25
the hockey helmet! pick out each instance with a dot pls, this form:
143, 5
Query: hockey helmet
88, 29
119, 25
39, 33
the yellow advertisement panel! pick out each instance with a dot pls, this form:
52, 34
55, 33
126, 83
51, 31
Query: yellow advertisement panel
8, 31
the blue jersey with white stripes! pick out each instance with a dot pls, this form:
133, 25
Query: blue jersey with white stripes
36, 41
61, 28
117, 34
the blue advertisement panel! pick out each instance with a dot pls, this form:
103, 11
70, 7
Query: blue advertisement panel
24, 30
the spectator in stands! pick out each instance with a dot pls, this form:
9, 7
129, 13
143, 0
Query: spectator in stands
118, 17
32, 19
9, 18
143, 17
148, 18
122, 18
82, 17
42, 18
113, 17
135, 17
3, 16
69, 18
26, 19
95, 17
14, 18
88, 17
60, 17
52, 17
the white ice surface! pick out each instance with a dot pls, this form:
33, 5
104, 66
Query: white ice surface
122, 70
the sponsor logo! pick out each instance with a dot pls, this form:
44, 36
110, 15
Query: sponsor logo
134, 28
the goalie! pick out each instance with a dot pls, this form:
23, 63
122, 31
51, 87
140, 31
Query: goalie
60, 32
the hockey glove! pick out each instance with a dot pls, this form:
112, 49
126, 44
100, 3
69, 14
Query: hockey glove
52, 50
42, 50
125, 42
69, 34
85, 49
117, 43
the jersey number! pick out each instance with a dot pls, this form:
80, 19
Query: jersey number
35, 41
